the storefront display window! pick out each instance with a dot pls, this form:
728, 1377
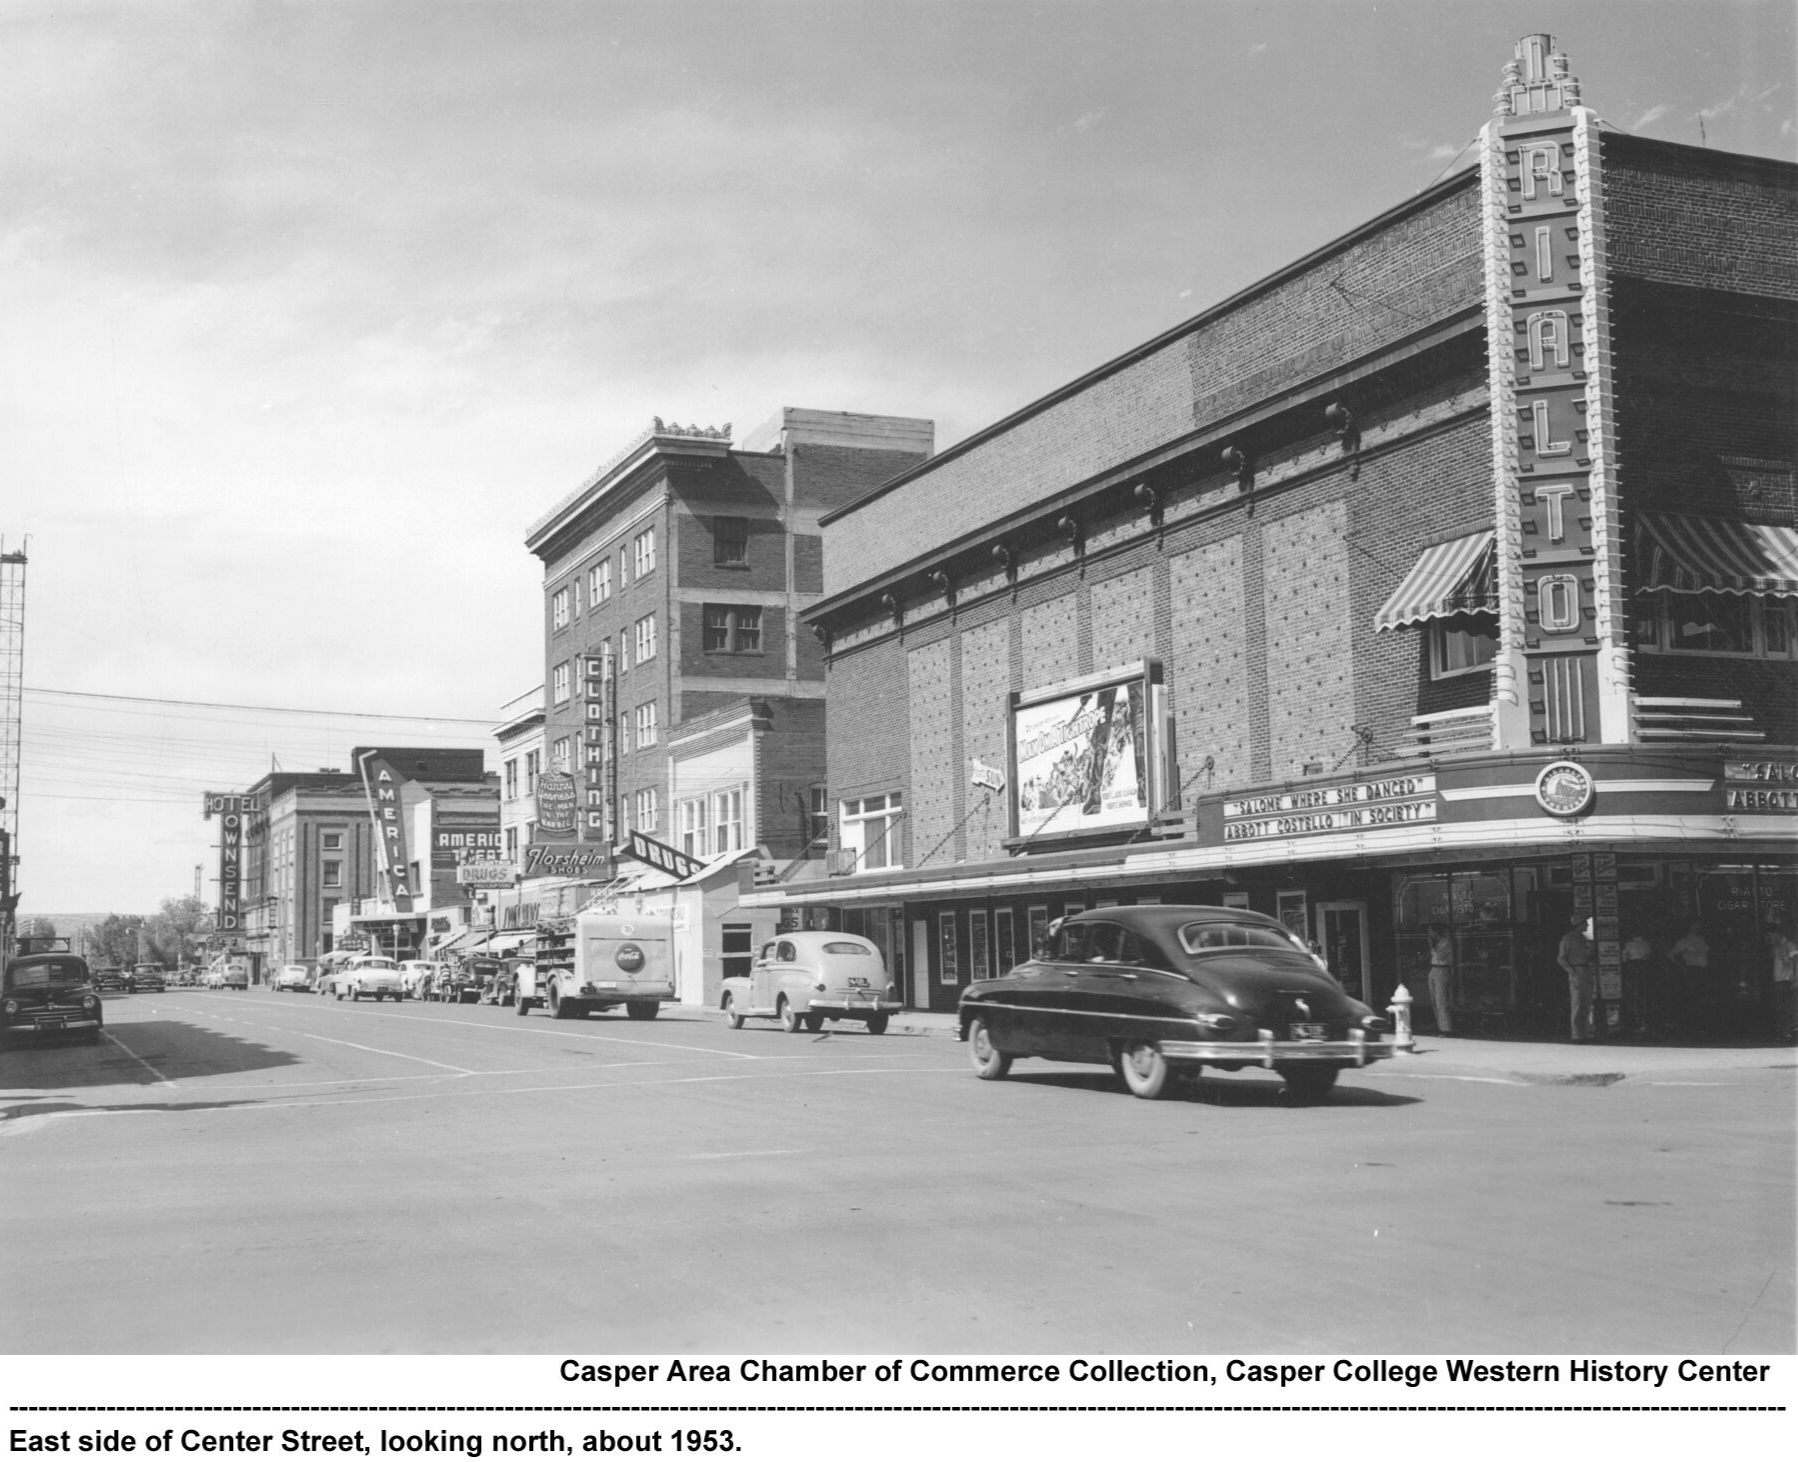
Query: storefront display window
949, 971
978, 968
1008, 950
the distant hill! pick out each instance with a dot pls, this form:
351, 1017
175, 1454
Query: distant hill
68, 926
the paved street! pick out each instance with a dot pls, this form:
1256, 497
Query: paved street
259, 1172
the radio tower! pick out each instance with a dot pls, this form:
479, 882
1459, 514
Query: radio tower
12, 686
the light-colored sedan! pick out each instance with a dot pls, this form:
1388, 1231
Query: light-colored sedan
809, 976
370, 977
293, 977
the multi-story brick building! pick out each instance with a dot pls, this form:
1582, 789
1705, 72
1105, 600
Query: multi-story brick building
1440, 584
673, 583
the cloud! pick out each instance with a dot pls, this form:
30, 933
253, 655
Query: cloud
1443, 151
1652, 115
1089, 120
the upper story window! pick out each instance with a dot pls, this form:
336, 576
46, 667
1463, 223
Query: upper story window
332, 873
1717, 624
511, 779
532, 764
643, 553
558, 608
646, 724
562, 753
511, 845
1463, 643
820, 816
645, 638
730, 540
867, 831
734, 629
647, 810
599, 582
727, 820
331, 842
560, 682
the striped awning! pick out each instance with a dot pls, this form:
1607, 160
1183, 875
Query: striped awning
1449, 578
1716, 556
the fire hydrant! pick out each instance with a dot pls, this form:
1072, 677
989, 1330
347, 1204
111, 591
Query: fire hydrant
1400, 1011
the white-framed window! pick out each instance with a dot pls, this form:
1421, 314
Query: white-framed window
646, 724
560, 682
511, 845
1463, 643
727, 820
691, 827
533, 763
643, 553
511, 779
331, 842
558, 608
647, 810
599, 582
867, 830
331, 871
562, 753
733, 629
1744, 625
820, 816
646, 638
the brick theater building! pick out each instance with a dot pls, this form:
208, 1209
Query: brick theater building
1440, 585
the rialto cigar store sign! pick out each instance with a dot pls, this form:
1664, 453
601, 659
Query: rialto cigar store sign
1348, 807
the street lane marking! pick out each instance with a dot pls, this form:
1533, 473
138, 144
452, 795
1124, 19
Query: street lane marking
373, 1050
137, 1058
717, 1156
573, 1028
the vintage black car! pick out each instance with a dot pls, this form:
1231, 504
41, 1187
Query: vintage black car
112, 978
1160, 988
146, 979
48, 993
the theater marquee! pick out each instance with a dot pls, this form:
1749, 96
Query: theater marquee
1383, 802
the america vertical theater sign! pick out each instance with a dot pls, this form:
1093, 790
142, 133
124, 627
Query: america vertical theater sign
381, 783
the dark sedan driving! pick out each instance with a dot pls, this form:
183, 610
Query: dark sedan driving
1156, 989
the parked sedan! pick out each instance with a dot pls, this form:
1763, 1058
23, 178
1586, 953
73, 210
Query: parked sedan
146, 980
48, 994
1155, 989
293, 977
807, 977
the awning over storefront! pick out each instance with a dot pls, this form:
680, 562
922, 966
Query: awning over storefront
1716, 556
1448, 578
457, 940
507, 943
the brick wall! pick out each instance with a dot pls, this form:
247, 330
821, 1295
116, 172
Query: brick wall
868, 727
790, 761
1310, 657
1051, 648
1355, 299
826, 477
1123, 618
930, 691
1207, 664
1686, 215
985, 697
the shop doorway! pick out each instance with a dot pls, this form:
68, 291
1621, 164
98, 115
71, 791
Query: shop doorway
1342, 935
919, 998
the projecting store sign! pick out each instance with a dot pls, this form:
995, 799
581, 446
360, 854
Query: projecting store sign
556, 799
232, 810
1349, 807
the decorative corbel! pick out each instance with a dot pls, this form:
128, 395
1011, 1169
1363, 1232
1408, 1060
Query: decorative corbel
944, 585
890, 603
1070, 528
1006, 559
1146, 494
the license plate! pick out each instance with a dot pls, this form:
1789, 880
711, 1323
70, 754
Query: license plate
52, 1023
605, 984
1308, 1031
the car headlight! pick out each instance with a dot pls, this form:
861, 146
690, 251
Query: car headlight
11, 1007
89, 1002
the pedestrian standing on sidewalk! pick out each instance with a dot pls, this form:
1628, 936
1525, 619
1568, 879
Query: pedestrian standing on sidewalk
1785, 983
1576, 956
1638, 955
1442, 968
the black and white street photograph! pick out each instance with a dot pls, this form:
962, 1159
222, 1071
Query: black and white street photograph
943, 706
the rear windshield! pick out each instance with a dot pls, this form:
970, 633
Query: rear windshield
840, 946
51, 972
376, 964
1202, 938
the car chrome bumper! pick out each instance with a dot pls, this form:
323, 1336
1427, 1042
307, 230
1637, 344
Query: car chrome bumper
1357, 1050
853, 1009
42, 1022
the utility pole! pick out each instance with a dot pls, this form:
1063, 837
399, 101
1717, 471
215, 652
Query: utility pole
12, 687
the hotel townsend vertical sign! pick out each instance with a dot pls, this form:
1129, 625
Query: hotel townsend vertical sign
1562, 674
233, 811
381, 784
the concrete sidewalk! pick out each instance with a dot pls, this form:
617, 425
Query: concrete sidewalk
1525, 1063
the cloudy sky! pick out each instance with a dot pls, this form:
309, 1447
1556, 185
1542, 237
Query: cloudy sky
311, 308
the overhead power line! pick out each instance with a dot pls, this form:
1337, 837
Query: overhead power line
150, 700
